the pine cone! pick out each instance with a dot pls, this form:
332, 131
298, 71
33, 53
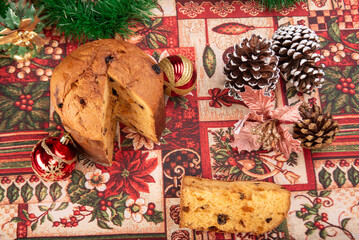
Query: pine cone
180, 235
175, 213
252, 63
295, 45
315, 130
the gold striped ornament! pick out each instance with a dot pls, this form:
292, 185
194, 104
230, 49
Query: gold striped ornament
179, 75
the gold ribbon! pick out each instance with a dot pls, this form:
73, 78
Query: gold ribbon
187, 74
23, 36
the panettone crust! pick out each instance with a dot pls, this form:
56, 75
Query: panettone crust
78, 92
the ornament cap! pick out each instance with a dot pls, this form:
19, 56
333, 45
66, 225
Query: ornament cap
65, 139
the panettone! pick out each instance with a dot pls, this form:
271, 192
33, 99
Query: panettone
102, 82
240, 206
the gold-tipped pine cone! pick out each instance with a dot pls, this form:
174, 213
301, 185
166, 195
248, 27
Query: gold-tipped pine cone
315, 130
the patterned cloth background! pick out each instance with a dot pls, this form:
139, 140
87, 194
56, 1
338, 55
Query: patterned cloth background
138, 196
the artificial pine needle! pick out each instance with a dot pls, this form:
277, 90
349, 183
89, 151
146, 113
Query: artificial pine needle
90, 20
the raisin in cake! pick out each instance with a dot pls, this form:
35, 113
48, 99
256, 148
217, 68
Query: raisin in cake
232, 207
102, 82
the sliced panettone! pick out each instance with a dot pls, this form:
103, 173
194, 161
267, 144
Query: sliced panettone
102, 82
240, 206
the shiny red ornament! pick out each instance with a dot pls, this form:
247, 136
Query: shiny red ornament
179, 75
54, 158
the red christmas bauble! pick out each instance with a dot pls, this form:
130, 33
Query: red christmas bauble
179, 75
53, 158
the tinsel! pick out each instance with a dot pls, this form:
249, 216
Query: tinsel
85, 20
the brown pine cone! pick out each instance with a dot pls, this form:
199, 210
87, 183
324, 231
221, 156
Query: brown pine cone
295, 45
175, 213
252, 63
315, 130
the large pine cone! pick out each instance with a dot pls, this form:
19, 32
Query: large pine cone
315, 130
252, 63
295, 45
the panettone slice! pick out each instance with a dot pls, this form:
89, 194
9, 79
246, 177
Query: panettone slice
102, 82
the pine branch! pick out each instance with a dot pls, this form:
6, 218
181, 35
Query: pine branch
101, 19
278, 4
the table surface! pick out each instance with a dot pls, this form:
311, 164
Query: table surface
324, 183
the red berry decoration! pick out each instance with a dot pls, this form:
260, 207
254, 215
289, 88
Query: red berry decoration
76, 212
100, 194
74, 224
352, 91
30, 102
179, 75
23, 107
303, 209
316, 224
22, 96
63, 220
349, 80
102, 202
82, 208
150, 212
109, 203
17, 104
103, 208
32, 215
28, 96
28, 223
318, 200
352, 85
54, 158
339, 87
345, 90
345, 84
29, 108
56, 224
324, 215
321, 227
151, 205
23, 101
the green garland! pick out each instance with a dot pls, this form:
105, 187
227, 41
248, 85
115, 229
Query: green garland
278, 4
89, 20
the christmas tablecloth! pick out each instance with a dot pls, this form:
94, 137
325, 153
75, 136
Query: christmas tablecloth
138, 197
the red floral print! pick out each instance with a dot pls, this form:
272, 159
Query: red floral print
130, 172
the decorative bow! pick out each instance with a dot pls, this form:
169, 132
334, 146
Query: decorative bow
23, 36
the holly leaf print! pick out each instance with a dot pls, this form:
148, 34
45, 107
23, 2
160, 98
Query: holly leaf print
323, 234
2, 195
325, 178
156, 217
353, 176
26, 192
333, 29
41, 191
339, 177
103, 224
344, 222
352, 38
12, 193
